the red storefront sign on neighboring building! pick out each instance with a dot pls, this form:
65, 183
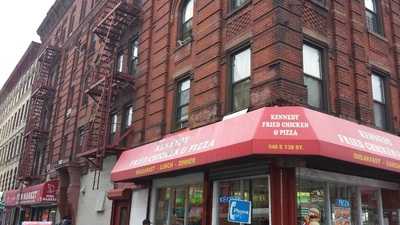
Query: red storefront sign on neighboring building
37, 194
267, 131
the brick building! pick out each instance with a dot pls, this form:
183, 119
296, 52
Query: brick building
182, 83
15, 99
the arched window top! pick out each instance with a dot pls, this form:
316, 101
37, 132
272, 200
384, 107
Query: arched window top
187, 13
186, 20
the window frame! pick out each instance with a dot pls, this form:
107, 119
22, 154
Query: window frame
112, 132
71, 22
85, 96
125, 117
387, 103
234, 9
231, 83
120, 61
82, 13
177, 105
80, 143
183, 36
378, 17
92, 43
324, 81
321, 3
133, 58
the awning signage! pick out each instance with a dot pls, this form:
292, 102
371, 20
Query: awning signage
37, 194
267, 131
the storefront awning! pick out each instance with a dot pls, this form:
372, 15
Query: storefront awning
44, 193
267, 131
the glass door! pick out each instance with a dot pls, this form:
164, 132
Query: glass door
255, 190
180, 205
121, 213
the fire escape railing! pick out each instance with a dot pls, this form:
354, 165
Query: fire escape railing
40, 101
103, 81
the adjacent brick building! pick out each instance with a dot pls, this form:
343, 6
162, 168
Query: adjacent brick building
133, 72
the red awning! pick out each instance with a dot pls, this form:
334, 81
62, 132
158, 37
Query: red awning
267, 131
119, 194
44, 193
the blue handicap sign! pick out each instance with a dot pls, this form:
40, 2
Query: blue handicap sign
239, 211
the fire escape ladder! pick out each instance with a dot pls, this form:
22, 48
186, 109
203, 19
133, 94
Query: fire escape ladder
113, 22
42, 94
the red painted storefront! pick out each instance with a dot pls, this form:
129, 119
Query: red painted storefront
33, 203
312, 160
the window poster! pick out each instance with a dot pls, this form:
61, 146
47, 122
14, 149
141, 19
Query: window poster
313, 217
311, 204
342, 212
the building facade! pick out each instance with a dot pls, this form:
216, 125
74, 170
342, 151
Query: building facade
172, 110
15, 101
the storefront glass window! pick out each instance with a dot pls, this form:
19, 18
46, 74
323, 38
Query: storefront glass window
370, 206
311, 202
179, 205
178, 217
344, 204
391, 206
163, 206
255, 190
195, 207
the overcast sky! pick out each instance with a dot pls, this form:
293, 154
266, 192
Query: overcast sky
19, 20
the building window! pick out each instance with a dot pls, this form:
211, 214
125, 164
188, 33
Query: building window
120, 63
134, 56
235, 4
113, 126
186, 20
128, 117
70, 102
75, 60
71, 22
81, 137
370, 206
379, 107
85, 96
83, 10
322, 3
179, 205
373, 17
182, 103
240, 76
93, 40
313, 75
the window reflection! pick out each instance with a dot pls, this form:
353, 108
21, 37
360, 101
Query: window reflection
180, 205
255, 190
